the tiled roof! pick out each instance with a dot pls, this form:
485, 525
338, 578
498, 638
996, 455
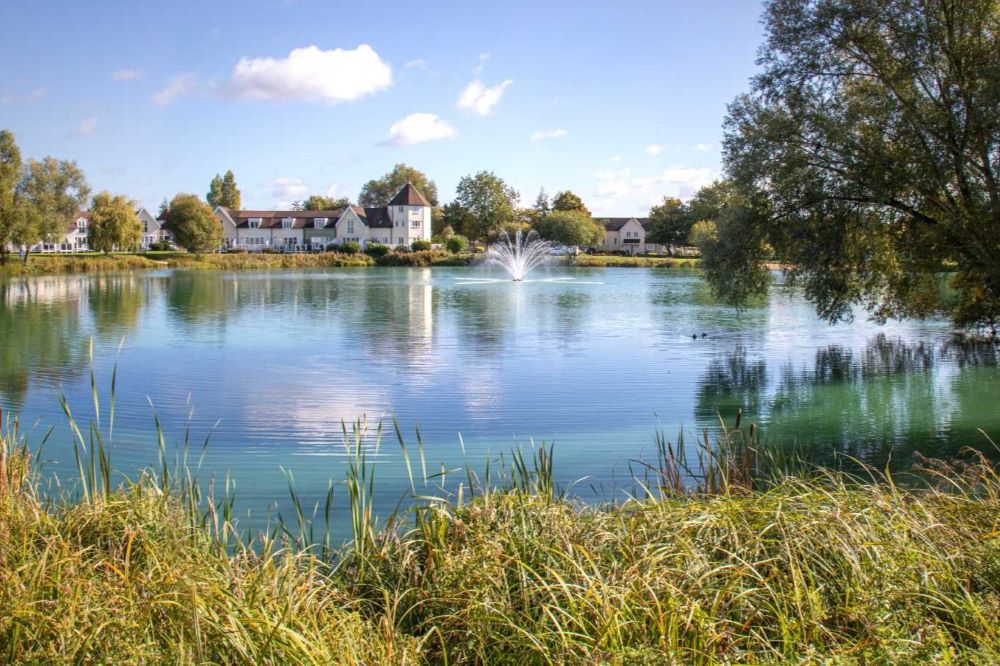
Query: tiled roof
409, 196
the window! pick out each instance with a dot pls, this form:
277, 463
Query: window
415, 224
287, 223
254, 223
350, 226
319, 222
81, 224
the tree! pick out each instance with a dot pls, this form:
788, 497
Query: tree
570, 227
872, 140
567, 201
11, 173
193, 224
222, 191
491, 203
670, 223
52, 193
113, 224
380, 191
459, 218
456, 244
702, 233
319, 202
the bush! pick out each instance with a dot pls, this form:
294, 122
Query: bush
456, 244
161, 246
420, 245
332, 247
377, 250
401, 249
350, 247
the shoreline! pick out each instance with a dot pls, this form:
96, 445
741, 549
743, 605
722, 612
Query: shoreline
72, 264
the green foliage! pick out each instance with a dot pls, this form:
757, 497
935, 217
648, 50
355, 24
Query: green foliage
222, 191
491, 204
459, 218
566, 201
377, 250
702, 233
318, 202
456, 244
670, 222
420, 245
380, 191
570, 227
52, 193
113, 224
11, 173
349, 247
193, 225
161, 246
873, 131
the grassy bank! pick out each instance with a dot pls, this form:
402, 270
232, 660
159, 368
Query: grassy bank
620, 261
743, 569
57, 264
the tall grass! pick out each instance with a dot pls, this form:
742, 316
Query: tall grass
725, 553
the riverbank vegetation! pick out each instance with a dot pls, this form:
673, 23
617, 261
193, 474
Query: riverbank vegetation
756, 559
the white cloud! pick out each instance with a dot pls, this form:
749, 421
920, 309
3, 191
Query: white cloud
483, 59
418, 128
128, 74
480, 99
312, 74
287, 190
619, 192
179, 86
551, 134
87, 126
30, 96
655, 148
703, 147
416, 62
615, 158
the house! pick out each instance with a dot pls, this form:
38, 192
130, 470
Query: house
628, 235
75, 238
153, 230
407, 218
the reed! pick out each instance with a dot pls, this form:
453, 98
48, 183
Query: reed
726, 552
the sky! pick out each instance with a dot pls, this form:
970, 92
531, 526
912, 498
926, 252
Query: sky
621, 101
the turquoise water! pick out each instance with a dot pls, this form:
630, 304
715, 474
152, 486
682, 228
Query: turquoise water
269, 365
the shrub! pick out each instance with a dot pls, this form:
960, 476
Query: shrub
160, 246
332, 247
377, 250
420, 245
402, 248
456, 244
350, 247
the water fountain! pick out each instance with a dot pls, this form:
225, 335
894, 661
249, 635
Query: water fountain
519, 255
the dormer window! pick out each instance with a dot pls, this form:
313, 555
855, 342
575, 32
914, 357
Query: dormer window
287, 223
319, 222
254, 222
81, 224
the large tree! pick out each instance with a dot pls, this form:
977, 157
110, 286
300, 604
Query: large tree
490, 201
193, 225
570, 227
670, 223
567, 201
11, 173
223, 191
380, 191
871, 138
319, 202
459, 218
52, 193
113, 224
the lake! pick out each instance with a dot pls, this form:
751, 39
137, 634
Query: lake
271, 364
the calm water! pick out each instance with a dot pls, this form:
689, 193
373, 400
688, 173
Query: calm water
271, 363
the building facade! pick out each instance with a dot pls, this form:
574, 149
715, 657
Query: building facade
405, 219
628, 235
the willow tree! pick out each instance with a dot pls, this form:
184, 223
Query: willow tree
872, 138
113, 224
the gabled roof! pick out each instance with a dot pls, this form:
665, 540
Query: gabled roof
409, 196
616, 223
272, 219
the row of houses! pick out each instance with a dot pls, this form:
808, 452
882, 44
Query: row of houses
405, 219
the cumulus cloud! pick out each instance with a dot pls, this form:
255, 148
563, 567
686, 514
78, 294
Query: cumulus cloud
30, 96
179, 86
478, 98
128, 74
551, 134
655, 148
287, 190
621, 192
418, 128
703, 147
312, 74
87, 126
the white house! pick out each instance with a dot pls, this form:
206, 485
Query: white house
628, 234
407, 218
152, 228
75, 238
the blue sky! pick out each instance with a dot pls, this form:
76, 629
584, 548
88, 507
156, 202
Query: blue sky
621, 101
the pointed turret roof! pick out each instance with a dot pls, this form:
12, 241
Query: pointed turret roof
409, 196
